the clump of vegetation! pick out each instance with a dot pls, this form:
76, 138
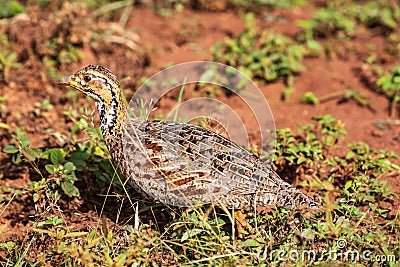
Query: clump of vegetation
253, 5
21, 148
261, 54
10, 8
392, 47
329, 21
65, 165
340, 18
389, 83
8, 58
340, 95
309, 98
379, 14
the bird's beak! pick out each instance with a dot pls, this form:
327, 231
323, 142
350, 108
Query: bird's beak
67, 80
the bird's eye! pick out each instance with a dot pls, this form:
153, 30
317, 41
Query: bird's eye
87, 78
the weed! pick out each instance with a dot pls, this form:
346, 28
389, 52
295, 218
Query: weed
311, 148
309, 98
340, 18
393, 45
270, 4
21, 148
69, 55
379, 14
329, 21
10, 8
54, 221
62, 174
266, 55
8, 61
341, 95
390, 85
307, 36
93, 155
42, 107
51, 67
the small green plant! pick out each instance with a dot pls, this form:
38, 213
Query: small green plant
92, 156
10, 8
261, 54
379, 14
51, 67
330, 21
365, 159
22, 149
309, 98
341, 95
42, 107
307, 36
270, 4
8, 61
61, 172
69, 55
315, 143
392, 46
340, 18
390, 86
53, 221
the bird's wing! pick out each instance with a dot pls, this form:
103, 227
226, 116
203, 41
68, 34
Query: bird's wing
187, 165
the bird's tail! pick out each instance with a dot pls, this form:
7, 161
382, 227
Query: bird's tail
275, 191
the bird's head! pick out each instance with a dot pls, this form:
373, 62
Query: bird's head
95, 81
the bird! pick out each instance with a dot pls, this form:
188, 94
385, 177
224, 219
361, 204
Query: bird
181, 164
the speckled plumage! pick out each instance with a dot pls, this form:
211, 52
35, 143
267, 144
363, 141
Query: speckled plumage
181, 164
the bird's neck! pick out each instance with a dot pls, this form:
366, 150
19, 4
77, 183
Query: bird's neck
112, 116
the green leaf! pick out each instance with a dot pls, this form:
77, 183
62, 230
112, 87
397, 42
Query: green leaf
16, 159
10, 149
69, 189
57, 156
351, 154
69, 167
31, 154
50, 168
25, 143
79, 156
301, 160
190, 233
206, 77
35, 197
313, 44
250, 243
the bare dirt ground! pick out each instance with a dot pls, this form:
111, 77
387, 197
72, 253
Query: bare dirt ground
161, 41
